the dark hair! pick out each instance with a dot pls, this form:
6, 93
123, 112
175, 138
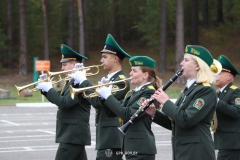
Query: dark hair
153, 78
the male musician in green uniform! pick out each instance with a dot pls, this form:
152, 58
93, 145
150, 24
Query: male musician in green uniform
73, 131
108, 137
227, 135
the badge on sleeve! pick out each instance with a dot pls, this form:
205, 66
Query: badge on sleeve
199, 103
141, 100
237, 101
115, 87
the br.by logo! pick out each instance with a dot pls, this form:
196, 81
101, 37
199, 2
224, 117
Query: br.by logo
108, 153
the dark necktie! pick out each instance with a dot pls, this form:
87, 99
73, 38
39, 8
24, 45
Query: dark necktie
185, 89
219, 93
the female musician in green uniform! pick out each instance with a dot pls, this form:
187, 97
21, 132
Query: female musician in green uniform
139, 141
190, 117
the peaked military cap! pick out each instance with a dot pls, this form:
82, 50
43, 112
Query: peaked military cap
227, 65
200, 52
144, 61
69, 54
112, 47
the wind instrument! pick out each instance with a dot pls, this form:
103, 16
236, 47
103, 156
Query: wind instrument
141, 109
75, 91
53, 74
216, 67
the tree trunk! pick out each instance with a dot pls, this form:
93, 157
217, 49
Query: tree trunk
194, 33
219, 11
70, 23
9, 34
205, 13
179, 52
116, 22
45, 24
230, 5
85, 11
163, 35
23, 39
81, 29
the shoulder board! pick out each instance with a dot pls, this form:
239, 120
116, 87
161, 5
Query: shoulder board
206, 84
217, 91
122, 76
151, 87
233, 87
128, 92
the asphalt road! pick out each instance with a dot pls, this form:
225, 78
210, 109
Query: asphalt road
29, 134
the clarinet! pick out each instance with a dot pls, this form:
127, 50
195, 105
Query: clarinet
133, 118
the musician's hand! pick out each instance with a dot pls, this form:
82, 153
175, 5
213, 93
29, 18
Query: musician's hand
160, 96
78, 76
151, 110
104, 91
42, 76
45, 86
78, 65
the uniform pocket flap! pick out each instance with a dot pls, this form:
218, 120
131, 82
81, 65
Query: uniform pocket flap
136, 135
190, 139
110, 124
228, 129
69, 121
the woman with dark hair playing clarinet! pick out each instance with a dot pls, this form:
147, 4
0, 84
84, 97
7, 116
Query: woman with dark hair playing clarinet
190, 117
139, 141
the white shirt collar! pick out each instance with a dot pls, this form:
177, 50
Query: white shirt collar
109, 76
190, 82
221, 89
138, 88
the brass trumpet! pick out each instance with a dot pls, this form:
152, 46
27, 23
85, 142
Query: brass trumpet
75, 91
19, 89
216, 67
53, 74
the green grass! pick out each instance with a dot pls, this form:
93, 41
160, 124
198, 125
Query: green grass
37, 97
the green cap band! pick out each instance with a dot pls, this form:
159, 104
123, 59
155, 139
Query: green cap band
144, 61
200, 52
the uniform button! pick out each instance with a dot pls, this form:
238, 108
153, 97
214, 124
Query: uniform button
172, 125
172, 136
57, 119
96, 113
58, 109
96, 124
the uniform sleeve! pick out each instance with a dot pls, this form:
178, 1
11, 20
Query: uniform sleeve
119, 96
63, 101
96, 101
126, 112
231, 108
162, 120
189, 114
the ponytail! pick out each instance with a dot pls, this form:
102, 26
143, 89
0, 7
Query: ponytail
153, 78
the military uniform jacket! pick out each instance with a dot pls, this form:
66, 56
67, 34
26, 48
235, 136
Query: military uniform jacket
191, 120
107, 133
139, 136
227, 135
72, 116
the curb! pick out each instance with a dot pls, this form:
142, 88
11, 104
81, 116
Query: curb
36, 105
39, 105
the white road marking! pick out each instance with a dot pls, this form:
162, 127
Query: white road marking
46, 131
15, 124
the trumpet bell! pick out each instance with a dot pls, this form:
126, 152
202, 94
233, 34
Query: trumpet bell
216, 67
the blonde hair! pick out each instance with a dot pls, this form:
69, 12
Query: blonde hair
204, 74
153, 78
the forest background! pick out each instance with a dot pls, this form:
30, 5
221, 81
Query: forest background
157, 28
